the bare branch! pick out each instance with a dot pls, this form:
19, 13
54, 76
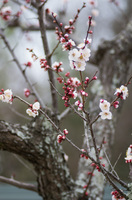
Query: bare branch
18, 184
46, 49
20, 68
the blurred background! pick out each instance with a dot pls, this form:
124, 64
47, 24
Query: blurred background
110, 21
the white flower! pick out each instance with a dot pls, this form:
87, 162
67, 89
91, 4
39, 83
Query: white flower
72, 42
75, 81
74, 95
7, 96
122, 92
114, 198
104, 105
6, 10
81, 45
72, 65
55, 65
36, 106
1, 97
79, 66
66, 157
31, 113
85, 53
73, 54
128, 157
105, 114
80, 107
95, 12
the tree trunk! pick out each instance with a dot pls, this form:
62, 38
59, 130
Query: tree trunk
37, 143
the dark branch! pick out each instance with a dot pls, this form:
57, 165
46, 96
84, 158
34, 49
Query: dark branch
18, 184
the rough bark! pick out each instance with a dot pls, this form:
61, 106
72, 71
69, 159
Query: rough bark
36, 142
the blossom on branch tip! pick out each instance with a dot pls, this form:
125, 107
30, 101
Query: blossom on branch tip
65, 131
68, 45
105, 114
6, 12
79, 104
79, 57
78, 65
122, 92
33, 110
56, 67
36, 106
117, 196
128, 157
6, 96
27, 92
104, 105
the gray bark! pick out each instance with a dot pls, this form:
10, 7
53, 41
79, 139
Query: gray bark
36, 142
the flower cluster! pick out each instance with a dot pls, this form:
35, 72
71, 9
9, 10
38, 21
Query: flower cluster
116, 196
33, 110
70, 88
43, 63
57, 67
6, 13
62, 137
6, 96
122, 92
128, 157
79, 104
105, 108
83, 155
78, 58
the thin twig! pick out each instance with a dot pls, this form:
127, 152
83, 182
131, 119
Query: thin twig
46, 50
24, 164
20, 68
18, 184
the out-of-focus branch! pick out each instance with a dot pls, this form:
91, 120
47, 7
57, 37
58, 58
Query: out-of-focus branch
41, 16
20, 68
18, 184
16, 23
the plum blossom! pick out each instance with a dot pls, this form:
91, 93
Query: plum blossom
33, 110
36, 106
74, 95
79, 104
85, 53
117, 196
128, 157
73, 54
6, 12
56, 67
6, 96
27, 92
79, 57
68, 45
104, 105
75, 81
79, 66
30, 112
122, 92
105, 108
105, 114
